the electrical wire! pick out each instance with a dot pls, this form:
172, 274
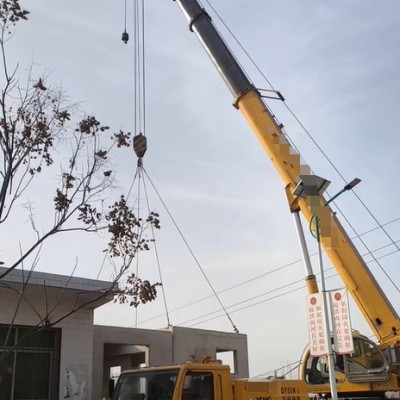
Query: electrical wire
368, 249
297, 119
276, 269
259, 302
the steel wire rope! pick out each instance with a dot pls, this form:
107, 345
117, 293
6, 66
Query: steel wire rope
127, 197
106, 251
157, 256
298, 363
273, 371
139, 68
269, 292
318, 147
192, 253
138, 227
143, 71
139, 176
135, 79
125, 15
271, 272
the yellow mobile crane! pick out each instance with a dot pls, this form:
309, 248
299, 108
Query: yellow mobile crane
371, 370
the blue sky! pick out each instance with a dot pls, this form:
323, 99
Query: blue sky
337, 65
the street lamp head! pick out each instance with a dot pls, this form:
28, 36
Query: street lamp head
353, 183
310, 185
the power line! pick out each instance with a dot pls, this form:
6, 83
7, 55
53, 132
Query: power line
279, 268
266, 300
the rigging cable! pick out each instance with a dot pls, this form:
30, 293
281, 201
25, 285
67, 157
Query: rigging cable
322, 152
157, 257
192, 254
139, 65
138, 234
125, 34
139, 139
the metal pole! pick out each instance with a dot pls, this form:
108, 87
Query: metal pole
302, 242
331, 360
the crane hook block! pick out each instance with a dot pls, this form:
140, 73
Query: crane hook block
125, 37
140, 145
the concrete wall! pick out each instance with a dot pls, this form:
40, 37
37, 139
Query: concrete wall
173, 345
55, 295
200, 343
76, 351
82, 352
159, 343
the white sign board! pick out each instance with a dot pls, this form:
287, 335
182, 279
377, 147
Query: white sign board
316, 324
341, 322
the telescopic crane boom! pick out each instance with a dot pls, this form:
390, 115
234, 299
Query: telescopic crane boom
371, 370
366, 292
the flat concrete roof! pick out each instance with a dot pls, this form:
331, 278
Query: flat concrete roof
54, 280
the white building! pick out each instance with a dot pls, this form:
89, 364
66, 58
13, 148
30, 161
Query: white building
72, 359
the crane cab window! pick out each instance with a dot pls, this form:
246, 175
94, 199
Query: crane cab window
146, 385
366, 354
317, 370
198, 386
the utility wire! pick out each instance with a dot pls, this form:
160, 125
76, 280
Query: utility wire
270, 298
260, 276
257, 277
266, 293
367, 247
318, 147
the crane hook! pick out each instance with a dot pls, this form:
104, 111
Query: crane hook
140, 145
125, 36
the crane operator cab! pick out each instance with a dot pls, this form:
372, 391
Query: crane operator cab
188, 382
366, 364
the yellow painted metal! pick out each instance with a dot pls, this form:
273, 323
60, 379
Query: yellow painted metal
347, 261
280, 389
311, 284
243, 389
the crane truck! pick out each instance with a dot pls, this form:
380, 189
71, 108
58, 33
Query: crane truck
372, 370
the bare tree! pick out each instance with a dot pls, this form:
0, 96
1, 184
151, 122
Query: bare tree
38, 136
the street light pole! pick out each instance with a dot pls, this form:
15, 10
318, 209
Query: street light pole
349, 186
313, 186
330, 354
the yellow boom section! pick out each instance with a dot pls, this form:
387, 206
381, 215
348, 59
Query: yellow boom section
345, 258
